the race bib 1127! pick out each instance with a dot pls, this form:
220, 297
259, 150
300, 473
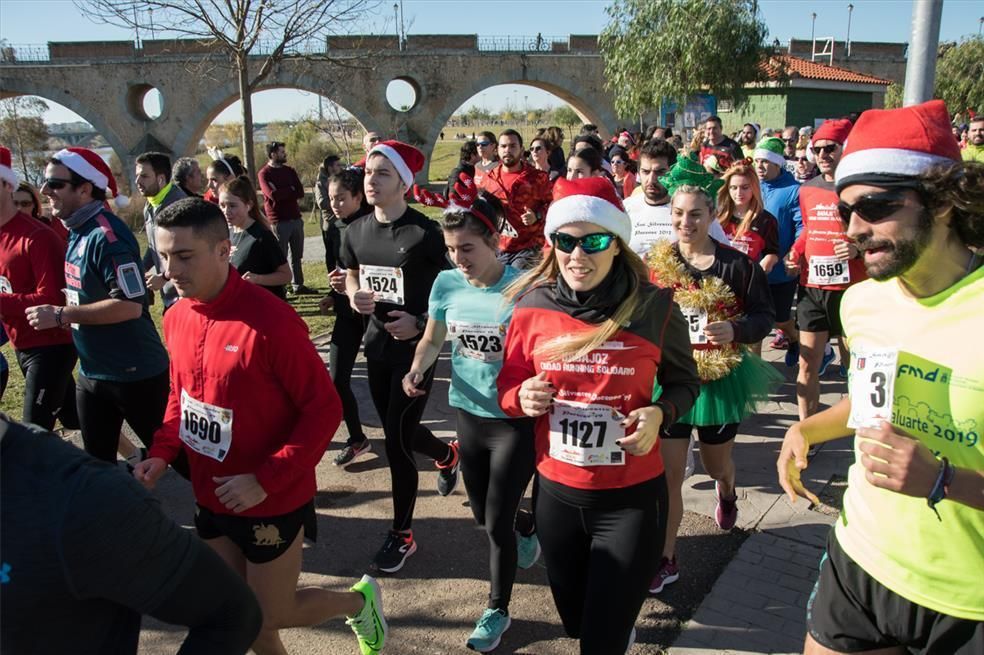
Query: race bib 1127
583, 434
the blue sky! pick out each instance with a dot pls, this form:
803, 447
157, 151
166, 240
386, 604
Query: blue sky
40, 21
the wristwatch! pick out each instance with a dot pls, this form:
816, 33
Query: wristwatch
422, 322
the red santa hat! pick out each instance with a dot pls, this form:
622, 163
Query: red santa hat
835, 130
894, 146
7, 173
88, 164
407, 160
589, 200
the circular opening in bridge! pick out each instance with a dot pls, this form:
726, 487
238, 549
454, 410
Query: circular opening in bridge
145, 102
402, 94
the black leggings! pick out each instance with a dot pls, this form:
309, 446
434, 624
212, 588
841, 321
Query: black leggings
400, 415
104, 405
601, 554
48, 387
497, 463
346, 337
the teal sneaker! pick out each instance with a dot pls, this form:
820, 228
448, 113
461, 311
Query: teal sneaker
488, 631
369, 625
527, 550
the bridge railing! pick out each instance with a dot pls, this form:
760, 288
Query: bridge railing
24, 52
534, 43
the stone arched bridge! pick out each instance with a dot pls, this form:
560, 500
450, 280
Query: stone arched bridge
104, 82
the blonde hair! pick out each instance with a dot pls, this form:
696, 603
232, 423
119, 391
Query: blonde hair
726, 205
573, 346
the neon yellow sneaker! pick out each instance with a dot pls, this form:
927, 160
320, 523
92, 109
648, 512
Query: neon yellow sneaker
369, 625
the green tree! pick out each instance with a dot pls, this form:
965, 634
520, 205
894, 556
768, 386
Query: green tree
566, 116
23, 130
893, 95
960, 75
656, 50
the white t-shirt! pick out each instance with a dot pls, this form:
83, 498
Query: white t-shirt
651, 223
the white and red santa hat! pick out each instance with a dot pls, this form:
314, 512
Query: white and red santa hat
88, 164
588, 200
407, 160
894, 146
7, 173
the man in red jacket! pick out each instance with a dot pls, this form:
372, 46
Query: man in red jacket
525, 194
32, 261
254, 409
828, 263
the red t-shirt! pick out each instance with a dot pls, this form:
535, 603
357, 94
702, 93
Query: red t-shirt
524, 189
32, 262
822, 228
760, 239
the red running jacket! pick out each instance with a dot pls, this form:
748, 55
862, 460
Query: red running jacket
247, 353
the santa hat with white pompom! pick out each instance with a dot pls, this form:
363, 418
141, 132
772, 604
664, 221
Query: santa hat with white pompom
88, 164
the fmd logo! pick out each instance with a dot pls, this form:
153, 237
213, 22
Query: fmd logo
929, 376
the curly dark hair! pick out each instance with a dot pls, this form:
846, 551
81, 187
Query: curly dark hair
958, 187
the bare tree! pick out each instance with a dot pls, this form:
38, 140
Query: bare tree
22, 129
254, 35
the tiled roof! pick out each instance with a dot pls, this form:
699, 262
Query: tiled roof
812, 70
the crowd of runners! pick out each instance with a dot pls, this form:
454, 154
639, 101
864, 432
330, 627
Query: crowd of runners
605, 309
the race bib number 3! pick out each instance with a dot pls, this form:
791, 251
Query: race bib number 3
584, 435
206, 429
696, 322
386, 282
479, 341
828, 270
872, 387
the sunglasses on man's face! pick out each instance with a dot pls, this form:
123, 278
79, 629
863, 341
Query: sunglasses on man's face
873, 208
590, 243
829, 149
55, 183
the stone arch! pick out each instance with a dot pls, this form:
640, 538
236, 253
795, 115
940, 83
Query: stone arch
14, 87
223, 96
591, 106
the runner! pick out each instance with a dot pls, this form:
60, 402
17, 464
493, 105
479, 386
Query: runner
466, 305
601, 502
828, 264
392, 257
751, 229
347, 199
254, 409
123, 366
32, 262
256, 255
725, 299
525, 193
898, 575
222, 169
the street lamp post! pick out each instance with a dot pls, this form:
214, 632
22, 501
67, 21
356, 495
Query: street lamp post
920, 70
850, 10
396, 23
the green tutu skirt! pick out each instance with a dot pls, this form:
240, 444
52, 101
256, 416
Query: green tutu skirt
734, 397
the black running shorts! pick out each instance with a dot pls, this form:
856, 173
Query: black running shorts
262, 539
818, 310
850, 612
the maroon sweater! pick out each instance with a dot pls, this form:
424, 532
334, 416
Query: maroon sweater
281, 190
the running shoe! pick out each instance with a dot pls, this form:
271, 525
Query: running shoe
395, 551
348, 454
527, 550
792, 353
828, 356
301, 290
488, 631
447, 477
726, 512
781, 342
668, 573
632, 638
369, 625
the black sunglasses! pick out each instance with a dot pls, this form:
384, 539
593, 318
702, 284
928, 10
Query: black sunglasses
55, 183
590, 243
829, 149
618, 162
873, 208
484, 144
536, 148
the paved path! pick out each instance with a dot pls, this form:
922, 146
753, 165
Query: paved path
757, 604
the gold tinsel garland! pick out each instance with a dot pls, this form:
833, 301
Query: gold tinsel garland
711, 295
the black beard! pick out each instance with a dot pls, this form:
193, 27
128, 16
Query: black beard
905, 253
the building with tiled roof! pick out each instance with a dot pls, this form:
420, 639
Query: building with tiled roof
814, 91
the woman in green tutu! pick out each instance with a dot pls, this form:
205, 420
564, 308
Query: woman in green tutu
725, 298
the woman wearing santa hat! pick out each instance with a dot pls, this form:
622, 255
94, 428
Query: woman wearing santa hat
589, 340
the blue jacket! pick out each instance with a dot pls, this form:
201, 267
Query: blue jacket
781, 199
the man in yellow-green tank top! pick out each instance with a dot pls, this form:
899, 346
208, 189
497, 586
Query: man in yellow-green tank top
904, 567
